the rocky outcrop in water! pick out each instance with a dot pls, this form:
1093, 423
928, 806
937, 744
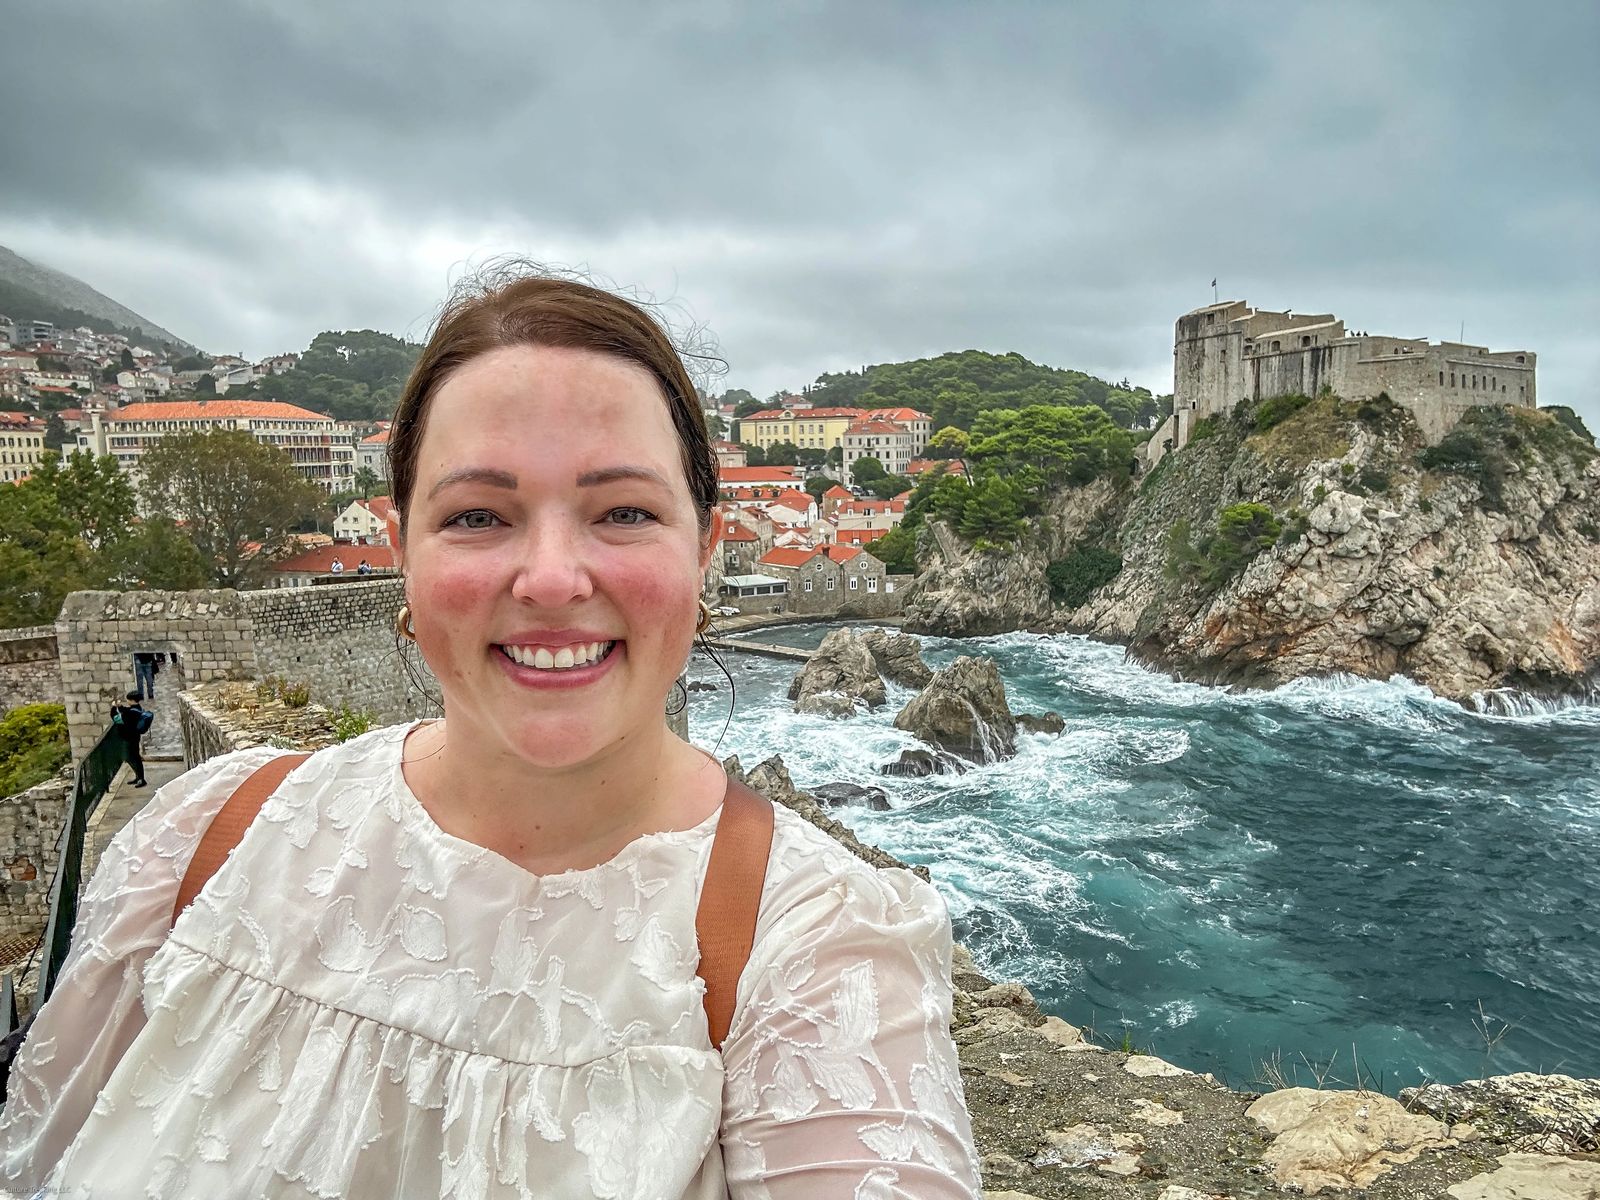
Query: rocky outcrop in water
840, 672
964, 711
1049, 722
898, 657
1478, 572
918, 763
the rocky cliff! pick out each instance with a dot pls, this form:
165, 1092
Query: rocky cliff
1330, 541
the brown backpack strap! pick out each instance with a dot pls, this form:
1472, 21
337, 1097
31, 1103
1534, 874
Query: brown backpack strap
228, 826
725, 922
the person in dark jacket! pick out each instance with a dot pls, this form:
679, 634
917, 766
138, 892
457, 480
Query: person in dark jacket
127, 719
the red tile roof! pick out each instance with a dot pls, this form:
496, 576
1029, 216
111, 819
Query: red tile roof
180, 410
840, 554
860, 537
792, 497
378, 506
785, 557
381, 438
801, 414
838, 492
735, 532
757, 474
873, 426
954, 466
898, 414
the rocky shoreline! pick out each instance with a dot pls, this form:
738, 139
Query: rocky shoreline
1057, 1116
1482, 584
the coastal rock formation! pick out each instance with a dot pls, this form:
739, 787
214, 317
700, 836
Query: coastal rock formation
919, 763
898, 657
1333, 1139
852, 795
1050, 722
841, 672
1476, 572
1551, 1113
960, 592
963, 710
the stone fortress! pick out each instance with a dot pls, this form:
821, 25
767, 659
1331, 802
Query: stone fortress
1229, 352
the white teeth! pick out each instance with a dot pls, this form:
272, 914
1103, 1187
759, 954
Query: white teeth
563, 659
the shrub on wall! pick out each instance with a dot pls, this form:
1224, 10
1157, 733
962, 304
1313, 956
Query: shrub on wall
1277, 410
1079, 575
33, 746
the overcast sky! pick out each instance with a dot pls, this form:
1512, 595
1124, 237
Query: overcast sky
826, 185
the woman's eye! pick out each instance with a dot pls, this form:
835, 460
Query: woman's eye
477, 518
630, 516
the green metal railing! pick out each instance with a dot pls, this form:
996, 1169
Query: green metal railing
89, 786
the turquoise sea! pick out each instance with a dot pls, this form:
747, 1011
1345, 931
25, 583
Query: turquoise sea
1340, 871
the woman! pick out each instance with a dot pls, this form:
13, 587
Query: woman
457, 958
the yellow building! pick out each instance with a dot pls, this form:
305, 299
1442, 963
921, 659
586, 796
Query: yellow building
807, 428
21, 446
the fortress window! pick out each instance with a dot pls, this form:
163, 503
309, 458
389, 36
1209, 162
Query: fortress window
1521, 358
1276, 346
1441, 378
1305, 341
1211, 318
1452, 379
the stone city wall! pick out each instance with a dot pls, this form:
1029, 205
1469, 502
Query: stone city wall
210, 633
340, 641
29, 670
30, 822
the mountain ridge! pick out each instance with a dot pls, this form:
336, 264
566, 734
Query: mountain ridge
23, 281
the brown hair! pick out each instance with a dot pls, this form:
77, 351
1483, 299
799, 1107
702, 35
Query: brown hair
511, 306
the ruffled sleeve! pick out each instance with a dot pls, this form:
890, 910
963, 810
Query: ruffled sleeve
96, 1010
841, 1076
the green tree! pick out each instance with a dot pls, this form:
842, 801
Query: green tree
1051, 447
948, 442
886, 487
754, 456
835, 455
737, 397
56, 434
366, 480
353, 375
92, 494
33, 746
810, 456
109, 373
992, 514
897, 550
126, 360
745, 407
818, 484
716, 427
191, 362
229, 490
155, 555
865, 469
206, 385
783, 454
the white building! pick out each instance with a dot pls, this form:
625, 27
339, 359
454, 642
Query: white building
306, 437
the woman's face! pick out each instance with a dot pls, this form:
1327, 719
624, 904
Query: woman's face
552, 554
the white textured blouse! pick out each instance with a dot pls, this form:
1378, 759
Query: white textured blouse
360, 1004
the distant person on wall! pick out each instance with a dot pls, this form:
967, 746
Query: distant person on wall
131, 722
337, 568
365, 568
144, 674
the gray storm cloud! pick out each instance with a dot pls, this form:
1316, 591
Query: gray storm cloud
827, 185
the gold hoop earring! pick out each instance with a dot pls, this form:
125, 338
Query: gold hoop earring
402, 624
704, 623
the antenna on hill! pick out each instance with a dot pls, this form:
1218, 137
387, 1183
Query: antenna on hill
1214, 291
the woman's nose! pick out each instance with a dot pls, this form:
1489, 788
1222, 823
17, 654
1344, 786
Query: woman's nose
551, 569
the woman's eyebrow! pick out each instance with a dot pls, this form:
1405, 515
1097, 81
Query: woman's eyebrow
501, 479
612, 474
